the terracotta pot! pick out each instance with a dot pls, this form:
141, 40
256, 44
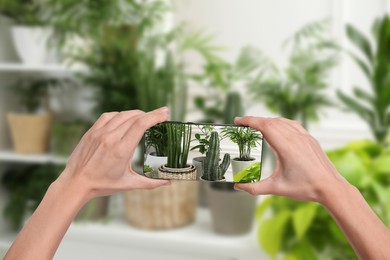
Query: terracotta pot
162, 208
232, 211
30, 133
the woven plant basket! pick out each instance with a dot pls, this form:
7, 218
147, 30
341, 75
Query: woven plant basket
30, 133
188, 173
162, 208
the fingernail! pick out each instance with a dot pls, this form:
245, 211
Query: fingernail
237, 118
237, 188
163, 109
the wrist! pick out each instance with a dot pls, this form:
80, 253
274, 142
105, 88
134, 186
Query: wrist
72, 188
335, 191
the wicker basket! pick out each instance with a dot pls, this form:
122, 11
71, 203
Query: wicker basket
188, 173
30, 133
162, 208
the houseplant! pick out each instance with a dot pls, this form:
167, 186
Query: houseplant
66, 136
246, 139
26, 186
156, 138
179, 140
374, 62
306, 230
29, 34
297, 92
212, 169
203, 139
31, 128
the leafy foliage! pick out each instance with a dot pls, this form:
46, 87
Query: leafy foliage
219, 77
157, 137
250, 173
297, 92
203, 138
306, 229
245, 137
374, 62
27, 186
22, 12
33, 93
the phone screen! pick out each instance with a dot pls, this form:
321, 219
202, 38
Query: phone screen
204, 152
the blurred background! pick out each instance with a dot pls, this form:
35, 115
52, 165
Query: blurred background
64, 62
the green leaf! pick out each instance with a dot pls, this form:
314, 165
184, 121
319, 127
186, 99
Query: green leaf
351, 167
360, 41
270, 232
364, 112
262, 207
302, 251
303, 217
382, 164
250, 173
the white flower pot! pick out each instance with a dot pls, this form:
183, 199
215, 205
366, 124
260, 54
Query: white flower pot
155, 161
237, 165
31, 44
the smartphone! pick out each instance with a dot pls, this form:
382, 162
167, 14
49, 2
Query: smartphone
204, 152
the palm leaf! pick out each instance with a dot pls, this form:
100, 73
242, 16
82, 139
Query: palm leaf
360, 41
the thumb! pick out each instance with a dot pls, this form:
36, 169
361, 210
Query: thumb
263, 187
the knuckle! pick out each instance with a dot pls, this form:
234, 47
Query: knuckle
107, 115
106, 140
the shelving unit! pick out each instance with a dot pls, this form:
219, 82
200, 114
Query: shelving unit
46, 68
121, 241
10, 156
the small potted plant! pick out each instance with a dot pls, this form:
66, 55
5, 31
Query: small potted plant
156, 139
212, 170
31, 127
29, 35
148, 171
246, 139
179, 139
203, 139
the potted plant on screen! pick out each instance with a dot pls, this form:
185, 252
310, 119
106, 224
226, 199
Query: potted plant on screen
246, 139
156, 140
177, 167
213, 170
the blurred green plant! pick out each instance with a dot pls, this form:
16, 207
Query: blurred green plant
34, 93
26, 186
374, 62
297, 92
305, 230
66, 136
22, 12
221, 103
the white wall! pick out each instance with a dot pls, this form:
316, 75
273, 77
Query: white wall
266, 24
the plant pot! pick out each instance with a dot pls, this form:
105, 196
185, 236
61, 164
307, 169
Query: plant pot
30, 133
31, 44
155, 161
237, 165
162, 208
197, 162
95, 209
232, 212
204, 180
188, 173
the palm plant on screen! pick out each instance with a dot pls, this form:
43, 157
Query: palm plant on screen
374, 62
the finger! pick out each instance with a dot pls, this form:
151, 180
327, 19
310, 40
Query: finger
263, 187
136, 127
120, 118
136, 181
293, 124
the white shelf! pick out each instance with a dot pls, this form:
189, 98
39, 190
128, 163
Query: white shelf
42, 68
196, 241
10, 156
